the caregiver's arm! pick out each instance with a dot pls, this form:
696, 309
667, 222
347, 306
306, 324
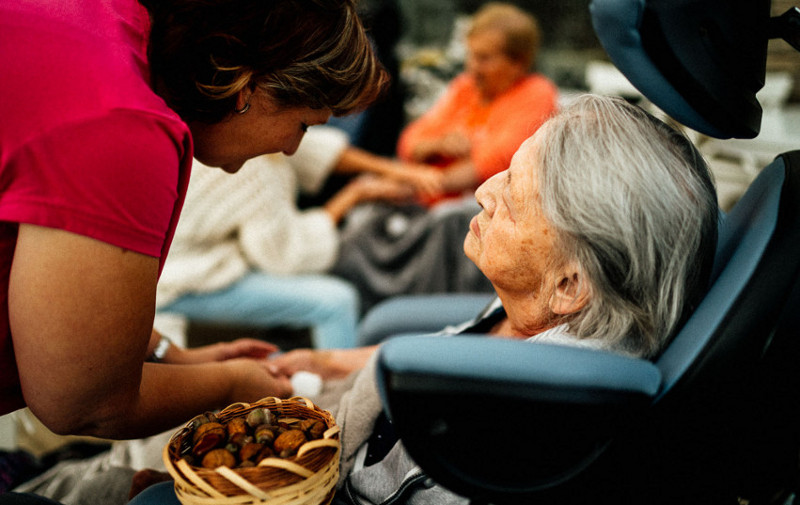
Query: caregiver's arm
218, 351
81, 314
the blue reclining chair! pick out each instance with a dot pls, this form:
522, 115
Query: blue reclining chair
713, 419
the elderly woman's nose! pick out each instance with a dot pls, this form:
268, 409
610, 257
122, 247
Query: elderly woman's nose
485, 194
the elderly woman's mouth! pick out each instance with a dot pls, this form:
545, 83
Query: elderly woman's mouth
473, 226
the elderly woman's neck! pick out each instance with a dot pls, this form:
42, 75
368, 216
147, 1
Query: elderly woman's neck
526, 315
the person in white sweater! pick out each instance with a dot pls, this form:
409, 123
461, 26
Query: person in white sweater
244, 253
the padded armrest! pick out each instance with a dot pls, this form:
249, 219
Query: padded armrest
513, 417
419, 314
477, 364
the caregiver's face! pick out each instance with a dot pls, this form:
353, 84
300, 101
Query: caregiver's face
510, 240
264, 128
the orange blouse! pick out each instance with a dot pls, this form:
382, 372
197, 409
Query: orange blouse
495, 130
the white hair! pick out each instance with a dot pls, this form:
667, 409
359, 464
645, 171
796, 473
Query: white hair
634, 206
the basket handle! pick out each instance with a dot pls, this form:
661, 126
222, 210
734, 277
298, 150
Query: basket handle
242, 482
316, 444
286, 465
188, 473
330, 432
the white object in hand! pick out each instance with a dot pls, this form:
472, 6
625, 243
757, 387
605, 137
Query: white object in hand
306, 384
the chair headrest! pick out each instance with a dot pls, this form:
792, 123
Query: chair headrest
700, 61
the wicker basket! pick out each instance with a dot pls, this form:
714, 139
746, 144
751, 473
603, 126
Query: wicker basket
305, 479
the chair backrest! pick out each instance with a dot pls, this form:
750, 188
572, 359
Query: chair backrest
719, 415
744, 235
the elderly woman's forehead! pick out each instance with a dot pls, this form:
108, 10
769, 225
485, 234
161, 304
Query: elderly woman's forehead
524, 159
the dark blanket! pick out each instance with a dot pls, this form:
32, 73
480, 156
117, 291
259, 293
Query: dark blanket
390, 250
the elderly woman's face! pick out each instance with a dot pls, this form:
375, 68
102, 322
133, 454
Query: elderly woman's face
510, 240
494, 72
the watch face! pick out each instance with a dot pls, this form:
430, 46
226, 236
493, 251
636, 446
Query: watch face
160, 350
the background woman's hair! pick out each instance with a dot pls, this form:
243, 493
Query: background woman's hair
636, 207
312, 53
520, 29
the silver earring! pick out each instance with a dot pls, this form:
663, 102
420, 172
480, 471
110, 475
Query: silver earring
243, 109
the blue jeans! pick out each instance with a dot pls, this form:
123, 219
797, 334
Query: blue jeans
329, 306
162, 493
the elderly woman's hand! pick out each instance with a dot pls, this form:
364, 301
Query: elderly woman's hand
327, 363
366, 188
454, 146
370, 187
428, 181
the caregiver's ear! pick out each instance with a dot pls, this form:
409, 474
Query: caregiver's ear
571, 293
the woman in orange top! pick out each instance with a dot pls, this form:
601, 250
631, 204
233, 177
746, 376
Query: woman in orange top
489, 110
472, 132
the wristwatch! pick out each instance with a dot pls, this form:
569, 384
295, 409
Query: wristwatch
160, 351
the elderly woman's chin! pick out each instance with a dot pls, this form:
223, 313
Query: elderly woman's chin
471, 248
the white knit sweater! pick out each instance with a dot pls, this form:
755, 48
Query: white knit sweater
232, 223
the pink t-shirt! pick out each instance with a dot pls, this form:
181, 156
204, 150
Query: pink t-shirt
85, 145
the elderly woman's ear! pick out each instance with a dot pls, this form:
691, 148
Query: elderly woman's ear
571, 292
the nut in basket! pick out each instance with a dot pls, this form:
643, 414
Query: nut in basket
269, 452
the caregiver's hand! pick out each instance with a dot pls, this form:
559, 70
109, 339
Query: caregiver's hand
221, 351
256, 379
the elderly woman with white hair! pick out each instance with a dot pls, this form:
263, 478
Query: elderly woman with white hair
601, 234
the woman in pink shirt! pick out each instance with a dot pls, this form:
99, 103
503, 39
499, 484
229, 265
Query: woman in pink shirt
104, 103
489, 110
